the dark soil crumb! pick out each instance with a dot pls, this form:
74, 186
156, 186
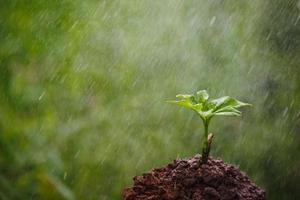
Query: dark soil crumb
185, 179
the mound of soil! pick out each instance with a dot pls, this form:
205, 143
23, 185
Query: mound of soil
186, 179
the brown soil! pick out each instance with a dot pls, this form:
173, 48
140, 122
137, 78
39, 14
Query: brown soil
185, 179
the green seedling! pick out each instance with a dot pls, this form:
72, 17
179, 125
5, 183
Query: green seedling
207, 109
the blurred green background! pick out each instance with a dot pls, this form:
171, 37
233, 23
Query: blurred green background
83, 86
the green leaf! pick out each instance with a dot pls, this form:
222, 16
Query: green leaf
241, 104
228, 113
220, 102
201, 96
227, 102
185, 103
228, 109
205, 114
198, 107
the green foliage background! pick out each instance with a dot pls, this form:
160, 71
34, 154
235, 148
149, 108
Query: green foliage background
83, 88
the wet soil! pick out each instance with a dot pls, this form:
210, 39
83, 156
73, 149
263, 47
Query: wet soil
186, 179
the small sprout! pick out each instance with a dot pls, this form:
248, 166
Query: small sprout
206, 109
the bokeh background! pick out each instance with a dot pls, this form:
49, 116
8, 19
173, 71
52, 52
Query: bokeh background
83, 86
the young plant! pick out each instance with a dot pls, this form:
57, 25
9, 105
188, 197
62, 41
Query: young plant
207, 109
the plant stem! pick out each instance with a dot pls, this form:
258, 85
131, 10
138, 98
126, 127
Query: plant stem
205, 148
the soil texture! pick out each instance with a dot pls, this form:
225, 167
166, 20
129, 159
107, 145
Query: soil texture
186, 179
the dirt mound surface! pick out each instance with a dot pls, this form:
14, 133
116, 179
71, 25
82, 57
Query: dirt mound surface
185, 179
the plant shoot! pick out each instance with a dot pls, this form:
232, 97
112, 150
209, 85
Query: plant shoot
207, 109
